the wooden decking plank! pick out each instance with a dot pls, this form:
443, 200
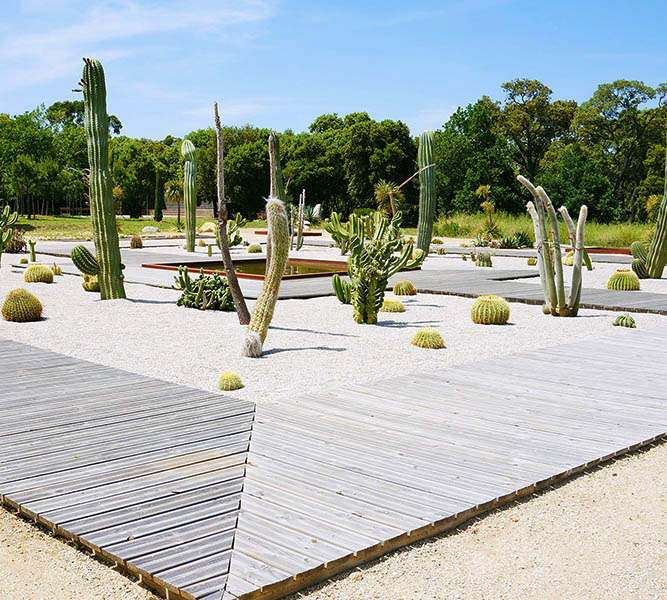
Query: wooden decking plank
200, 569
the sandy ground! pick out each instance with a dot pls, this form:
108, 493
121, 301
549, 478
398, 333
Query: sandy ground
601, 536
315, 344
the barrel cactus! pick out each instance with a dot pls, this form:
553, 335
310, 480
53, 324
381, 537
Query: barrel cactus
229, 381
427, 198
136, 242
441, 251
623, 280
404, 288
201, 244
23, 260
484, 260
639, 254
490, 310
90, 283
532, 261
342, 289
262, 313
38, 274
21, 306
568, 259
624, 320
85, 261
427, 337
392, 306
254, 249
102, 204
190, 193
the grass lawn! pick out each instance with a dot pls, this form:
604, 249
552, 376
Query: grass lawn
615, 235
74, 227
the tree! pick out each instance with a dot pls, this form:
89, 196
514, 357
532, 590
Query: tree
613, 123
70, 112
25, 178
173, 190
531, 121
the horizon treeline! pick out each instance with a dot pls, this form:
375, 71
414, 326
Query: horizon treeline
607, 152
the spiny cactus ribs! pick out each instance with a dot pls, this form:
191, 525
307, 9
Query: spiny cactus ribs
427, 337
623, 280
427, 198
624, 320
21, 306
404, 288
490, 310
190, 193
38, 274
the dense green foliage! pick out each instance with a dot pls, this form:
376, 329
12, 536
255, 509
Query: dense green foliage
607, 152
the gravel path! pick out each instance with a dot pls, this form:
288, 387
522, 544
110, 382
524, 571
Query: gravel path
601, 536
314, 344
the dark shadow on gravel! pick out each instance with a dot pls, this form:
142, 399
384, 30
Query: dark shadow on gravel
326, 348
312, 331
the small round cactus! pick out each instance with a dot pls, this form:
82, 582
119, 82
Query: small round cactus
389, 305
254, 248
490, 310
57, 270
90, 283
229, 381
417, 253
483, 260
427, 337
624, 320
201, 243
441, 251
136, 242
623, 280
404, 288
568, 259
23, 260
532, 261
436, 241
21, 306
38, 274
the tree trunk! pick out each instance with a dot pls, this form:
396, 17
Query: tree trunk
234, 287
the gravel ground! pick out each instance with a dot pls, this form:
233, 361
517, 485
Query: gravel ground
314, 344
602, 536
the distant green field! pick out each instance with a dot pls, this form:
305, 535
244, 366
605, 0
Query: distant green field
74, 227
614, 235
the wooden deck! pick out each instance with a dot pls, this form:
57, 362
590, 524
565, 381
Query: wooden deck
159, 478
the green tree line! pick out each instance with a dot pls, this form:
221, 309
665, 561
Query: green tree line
607, 152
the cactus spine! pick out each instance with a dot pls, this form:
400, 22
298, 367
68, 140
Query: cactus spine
105, 234
190, 193
275, 268
426, 191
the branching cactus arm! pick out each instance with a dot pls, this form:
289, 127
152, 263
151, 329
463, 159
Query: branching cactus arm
557, 257
575, 290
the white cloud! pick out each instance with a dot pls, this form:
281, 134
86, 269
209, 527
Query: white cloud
33, 57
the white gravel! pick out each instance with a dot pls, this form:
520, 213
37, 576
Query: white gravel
312, 344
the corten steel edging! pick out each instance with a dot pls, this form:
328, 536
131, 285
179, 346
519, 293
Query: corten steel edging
304, 233
604, 250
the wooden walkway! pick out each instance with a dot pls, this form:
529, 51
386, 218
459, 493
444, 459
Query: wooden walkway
158, 477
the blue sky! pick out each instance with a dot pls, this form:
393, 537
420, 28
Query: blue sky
281, 63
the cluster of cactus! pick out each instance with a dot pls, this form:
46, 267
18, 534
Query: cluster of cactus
624, 320
342, 289
392, 306
532, 261
57, 270
206, 292
484, 260
7, 219
623, 280
427, 197
427, 337
490, 310
90, 283
372, 262
357, 226
441, 251
33, 255
102, 203
296, 229
136, 242
229, 381
651, 264
404, 287
21, 306
254, 249
190, 193
38, 274
233, 231
550, 265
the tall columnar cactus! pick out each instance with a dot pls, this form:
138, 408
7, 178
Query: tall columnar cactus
190, 193
300, 220
33, 255
7, 219
105, 234
550, 265
426, 191
651, 265
262, 313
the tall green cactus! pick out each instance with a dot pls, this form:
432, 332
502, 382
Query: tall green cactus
426, 191
105, 234
651, 265
262, 313
190, 193
7, 219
